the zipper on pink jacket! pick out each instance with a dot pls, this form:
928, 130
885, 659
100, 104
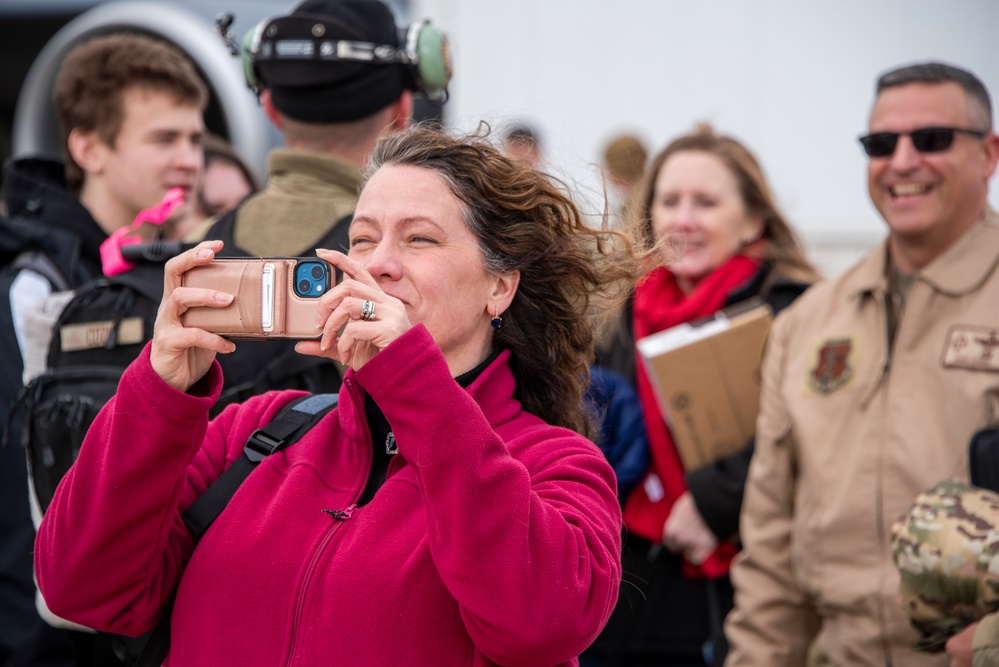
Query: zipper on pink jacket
342, 514
339, 517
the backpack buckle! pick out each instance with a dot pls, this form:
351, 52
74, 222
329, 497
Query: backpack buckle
261, 444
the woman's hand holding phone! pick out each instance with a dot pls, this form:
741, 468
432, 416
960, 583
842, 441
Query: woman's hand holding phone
183, 352
354, 332
182, 355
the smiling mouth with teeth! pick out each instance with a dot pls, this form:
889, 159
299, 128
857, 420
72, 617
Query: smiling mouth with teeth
908, 189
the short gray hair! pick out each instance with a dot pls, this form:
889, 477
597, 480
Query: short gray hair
935, 72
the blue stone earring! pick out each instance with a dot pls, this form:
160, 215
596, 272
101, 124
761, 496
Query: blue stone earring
497, 321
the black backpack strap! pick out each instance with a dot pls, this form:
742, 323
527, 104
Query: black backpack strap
288, 426
20, 235
42, 264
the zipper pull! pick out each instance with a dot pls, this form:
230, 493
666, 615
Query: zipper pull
342, 515
390, 445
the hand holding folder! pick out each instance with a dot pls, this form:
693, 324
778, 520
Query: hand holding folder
706, 375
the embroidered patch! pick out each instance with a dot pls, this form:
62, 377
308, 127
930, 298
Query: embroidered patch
972, 347
93, 335
833, 368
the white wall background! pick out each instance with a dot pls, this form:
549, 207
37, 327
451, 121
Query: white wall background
793, 79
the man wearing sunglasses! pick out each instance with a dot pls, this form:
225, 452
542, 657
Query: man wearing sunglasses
873, 384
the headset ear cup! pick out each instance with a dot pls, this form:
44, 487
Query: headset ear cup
248, 52
433, 62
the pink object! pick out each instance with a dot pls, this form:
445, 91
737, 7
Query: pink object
496, 538
112, 261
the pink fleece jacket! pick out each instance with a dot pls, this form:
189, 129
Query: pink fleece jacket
494, 540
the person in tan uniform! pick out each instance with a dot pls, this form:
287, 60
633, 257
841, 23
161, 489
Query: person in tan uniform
331, 76
873, 384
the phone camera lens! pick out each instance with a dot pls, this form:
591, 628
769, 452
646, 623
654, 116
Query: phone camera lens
304, 286
317, 272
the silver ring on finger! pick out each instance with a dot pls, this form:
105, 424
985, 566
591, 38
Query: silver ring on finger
368, 310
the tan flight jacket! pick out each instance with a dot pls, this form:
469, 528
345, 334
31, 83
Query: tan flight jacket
306, 194
847, 437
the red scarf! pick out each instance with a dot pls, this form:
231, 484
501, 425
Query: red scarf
659, 304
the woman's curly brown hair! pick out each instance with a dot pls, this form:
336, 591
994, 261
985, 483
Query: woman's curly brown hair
525, 221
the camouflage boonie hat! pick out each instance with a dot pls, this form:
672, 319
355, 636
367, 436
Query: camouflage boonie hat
947, 551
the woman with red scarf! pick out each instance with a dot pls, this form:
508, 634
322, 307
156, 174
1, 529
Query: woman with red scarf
705, 203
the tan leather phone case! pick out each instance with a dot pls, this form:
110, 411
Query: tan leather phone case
265, 304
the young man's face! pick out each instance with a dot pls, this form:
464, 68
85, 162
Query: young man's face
158, 147
929, 199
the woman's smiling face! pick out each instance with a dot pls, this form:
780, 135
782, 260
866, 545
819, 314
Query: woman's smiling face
697, 204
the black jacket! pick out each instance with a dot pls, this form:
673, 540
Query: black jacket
43, 215
41, 212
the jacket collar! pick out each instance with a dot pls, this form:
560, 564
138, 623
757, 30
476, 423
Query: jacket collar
495, 390
295, 172
960, 270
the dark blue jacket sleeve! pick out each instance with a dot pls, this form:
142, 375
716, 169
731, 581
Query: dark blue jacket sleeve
611, 399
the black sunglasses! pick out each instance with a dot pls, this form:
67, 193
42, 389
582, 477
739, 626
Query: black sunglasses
925, 139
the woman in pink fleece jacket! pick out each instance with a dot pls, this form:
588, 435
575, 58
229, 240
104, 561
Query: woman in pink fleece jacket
495, 537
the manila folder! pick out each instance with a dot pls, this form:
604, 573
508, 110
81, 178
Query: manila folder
706, 375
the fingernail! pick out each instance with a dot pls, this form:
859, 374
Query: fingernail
205, 252
222, 297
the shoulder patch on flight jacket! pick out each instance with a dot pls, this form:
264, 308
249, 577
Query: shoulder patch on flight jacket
833, 366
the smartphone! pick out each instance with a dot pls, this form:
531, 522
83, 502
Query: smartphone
275, 297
